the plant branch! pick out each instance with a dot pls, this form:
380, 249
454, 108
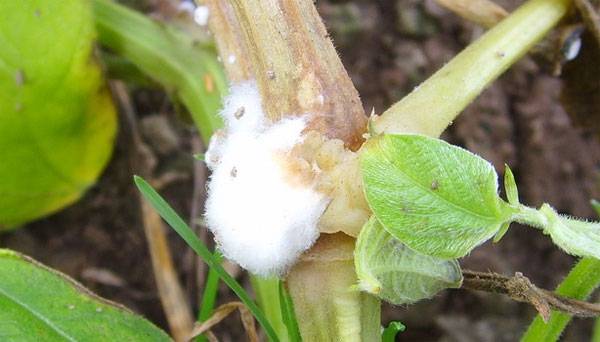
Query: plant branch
433, 105
520, 288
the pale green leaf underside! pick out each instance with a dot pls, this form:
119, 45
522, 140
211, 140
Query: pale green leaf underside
39, 304
438, 199
397, 274
573, 236
57, 121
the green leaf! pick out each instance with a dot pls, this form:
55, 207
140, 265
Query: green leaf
387, 268
389, 333
575, 237
40, 304
57, 121
167, 55
438, 199
288, 314
178, 224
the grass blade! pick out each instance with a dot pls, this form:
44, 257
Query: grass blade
209, 296
389, 333
288, 314
168, 56
179, 225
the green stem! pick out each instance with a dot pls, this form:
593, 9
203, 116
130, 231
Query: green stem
267, 296
579, 284
326, 305
530, 216
596, 333
433, 105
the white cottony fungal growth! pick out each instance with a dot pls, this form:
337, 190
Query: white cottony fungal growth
201, 14
263, 215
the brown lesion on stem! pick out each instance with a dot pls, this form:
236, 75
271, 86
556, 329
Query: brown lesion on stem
229, 38
521, 289
285, 47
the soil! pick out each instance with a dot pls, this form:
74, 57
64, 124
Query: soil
388, 47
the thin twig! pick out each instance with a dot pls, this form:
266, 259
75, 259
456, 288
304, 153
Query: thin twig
520, 288
221, 313
175, 305
482, 12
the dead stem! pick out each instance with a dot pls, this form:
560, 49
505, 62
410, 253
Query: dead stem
520, 288
220, 314
175, 305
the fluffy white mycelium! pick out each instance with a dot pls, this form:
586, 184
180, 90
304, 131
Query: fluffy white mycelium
262, 217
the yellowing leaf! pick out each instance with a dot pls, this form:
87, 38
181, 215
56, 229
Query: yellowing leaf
436, 198
40, 304
387, 268
57, 121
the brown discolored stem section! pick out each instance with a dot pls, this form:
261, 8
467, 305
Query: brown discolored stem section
230, 40
293, 61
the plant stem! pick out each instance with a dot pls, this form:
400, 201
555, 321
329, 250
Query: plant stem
293, 61
327, 307
433, 105
284, 46
530, 216
596, 333
579, 284
267, 297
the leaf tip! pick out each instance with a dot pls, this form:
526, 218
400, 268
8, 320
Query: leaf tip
596, 205
510, 186
139, 180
